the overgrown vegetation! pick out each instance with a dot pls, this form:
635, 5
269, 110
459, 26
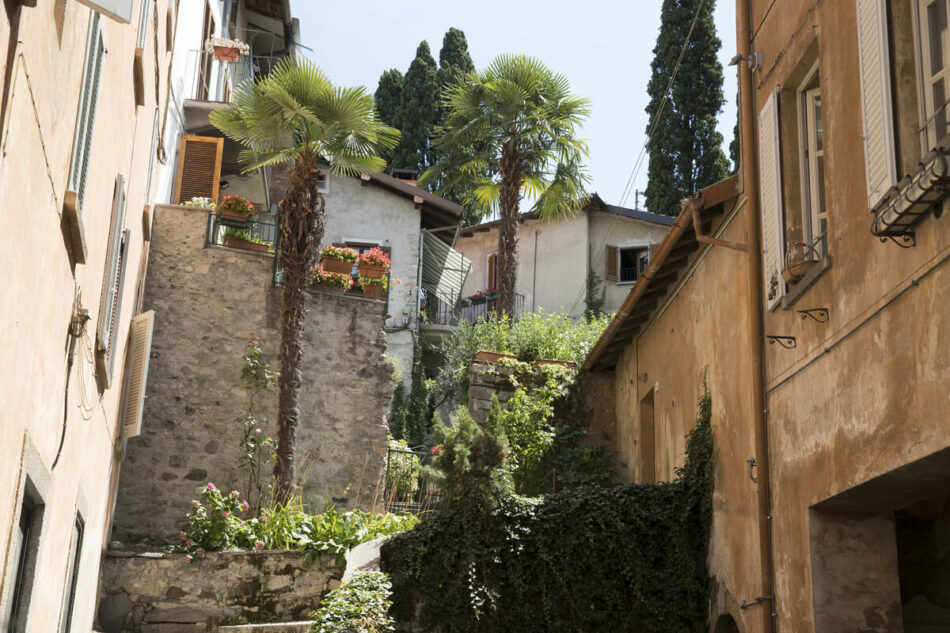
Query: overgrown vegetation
548, 335
359, 605
222, 522
590, 559
258, 449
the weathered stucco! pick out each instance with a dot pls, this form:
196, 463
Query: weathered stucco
210, 302
164, 593
39, 285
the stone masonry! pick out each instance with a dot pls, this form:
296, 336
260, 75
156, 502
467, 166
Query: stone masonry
164, 593
209, 302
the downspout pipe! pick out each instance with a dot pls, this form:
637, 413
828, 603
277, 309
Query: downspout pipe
756, 315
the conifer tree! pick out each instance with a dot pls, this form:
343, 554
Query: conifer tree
453, 58
388, 100
685, 149
418, 112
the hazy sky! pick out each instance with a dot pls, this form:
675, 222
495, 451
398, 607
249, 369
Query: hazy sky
604, 47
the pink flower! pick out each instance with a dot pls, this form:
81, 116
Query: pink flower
245, 506
398, 281
210, 486
225, 513
258, 431
188, 558
436, 450
254, 342
259, 545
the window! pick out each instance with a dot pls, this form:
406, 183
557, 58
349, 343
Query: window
143, 23
815, 218
72, 576
86, 121
934, 67
625, 264
323, 182
206, 58
491, 272
113, 281
24, 548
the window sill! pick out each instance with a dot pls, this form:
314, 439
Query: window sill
802, 285
626, 283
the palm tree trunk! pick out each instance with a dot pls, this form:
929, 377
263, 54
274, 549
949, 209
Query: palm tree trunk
509, 199
301, 229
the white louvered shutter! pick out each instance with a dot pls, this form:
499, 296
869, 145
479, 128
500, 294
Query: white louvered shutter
136, 373
876, 107
88, 101
770, 201
144, 12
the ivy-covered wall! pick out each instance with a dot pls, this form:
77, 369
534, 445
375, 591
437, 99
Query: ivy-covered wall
588, 559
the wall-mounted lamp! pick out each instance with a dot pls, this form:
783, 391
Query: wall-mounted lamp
754, 60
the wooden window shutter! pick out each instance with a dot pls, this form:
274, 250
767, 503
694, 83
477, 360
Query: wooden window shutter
880, 157
136, 373
86, 119
492, 271
611, 257
770, 201
199, 168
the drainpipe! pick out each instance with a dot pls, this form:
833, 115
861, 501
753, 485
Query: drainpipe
534, 272
756, 339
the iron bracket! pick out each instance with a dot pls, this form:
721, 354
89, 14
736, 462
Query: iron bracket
904, 241
758, 601
821, 315
752, 464
788, 342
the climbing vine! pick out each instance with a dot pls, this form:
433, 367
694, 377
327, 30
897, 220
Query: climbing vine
590, 559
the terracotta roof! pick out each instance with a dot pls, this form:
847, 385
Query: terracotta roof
445, 211
670, 258
596, 203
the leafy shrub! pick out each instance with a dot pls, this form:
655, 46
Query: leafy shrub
216, 523
628, 558
360, 605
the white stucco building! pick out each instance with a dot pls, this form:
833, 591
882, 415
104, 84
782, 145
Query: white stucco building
554, 258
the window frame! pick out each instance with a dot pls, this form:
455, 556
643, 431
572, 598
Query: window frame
640, 250
811, 197
925, 78
72, 575
491, 284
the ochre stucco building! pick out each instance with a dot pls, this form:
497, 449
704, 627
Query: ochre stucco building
821, 322
83, 94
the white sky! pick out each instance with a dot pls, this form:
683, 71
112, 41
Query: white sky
604, 47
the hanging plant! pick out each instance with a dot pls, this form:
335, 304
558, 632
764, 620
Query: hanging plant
226, 50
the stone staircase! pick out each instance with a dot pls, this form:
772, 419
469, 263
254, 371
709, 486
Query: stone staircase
277, 627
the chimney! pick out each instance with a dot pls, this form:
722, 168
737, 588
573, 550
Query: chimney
407, 175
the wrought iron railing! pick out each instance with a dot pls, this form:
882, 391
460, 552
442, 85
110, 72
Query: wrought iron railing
210, 79
408, 489
259, 235
439, 312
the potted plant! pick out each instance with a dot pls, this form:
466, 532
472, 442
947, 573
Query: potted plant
478, 298
374, 263
234, 208
226, 50
493, 357
338, 259
237, 238
334, 283
373, 286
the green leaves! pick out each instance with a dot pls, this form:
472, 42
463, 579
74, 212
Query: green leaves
295, 109
360, 605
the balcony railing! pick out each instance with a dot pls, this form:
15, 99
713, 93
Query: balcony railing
259, 235
439, 312
209, 79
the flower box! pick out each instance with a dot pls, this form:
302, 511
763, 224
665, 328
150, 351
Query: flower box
477, 301
226, 53
547, 361
371, 271
374, 263
247, 245
333, 290
336, 265
493, 357
372, 290
236, 209
330, 281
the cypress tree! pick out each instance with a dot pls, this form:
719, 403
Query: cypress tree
685, 149
418, 113
453, 58
388, 101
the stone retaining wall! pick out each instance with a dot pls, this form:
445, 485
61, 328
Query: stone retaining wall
209, 302
163, 593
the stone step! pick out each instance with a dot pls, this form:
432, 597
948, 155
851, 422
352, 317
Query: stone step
274, 627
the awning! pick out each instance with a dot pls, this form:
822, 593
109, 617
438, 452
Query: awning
444, 269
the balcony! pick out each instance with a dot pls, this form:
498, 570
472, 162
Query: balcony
259, 235
443, 315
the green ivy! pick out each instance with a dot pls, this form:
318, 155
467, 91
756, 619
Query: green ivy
359, 605
592, 559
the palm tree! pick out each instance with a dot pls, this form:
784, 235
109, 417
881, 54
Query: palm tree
295, 115
510, 134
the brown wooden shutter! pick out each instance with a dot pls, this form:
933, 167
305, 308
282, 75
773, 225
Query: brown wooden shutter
493, 271
199, 168
611, 254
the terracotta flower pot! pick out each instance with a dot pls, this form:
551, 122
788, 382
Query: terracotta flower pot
563, 363
226, 54
336, 265
236, 242
372, 272
232, 217
493, 357
372, 290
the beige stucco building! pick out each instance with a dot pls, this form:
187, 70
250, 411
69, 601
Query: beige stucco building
828, 364
83, 95
554, 258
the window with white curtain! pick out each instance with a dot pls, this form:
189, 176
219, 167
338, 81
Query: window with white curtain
933, 39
